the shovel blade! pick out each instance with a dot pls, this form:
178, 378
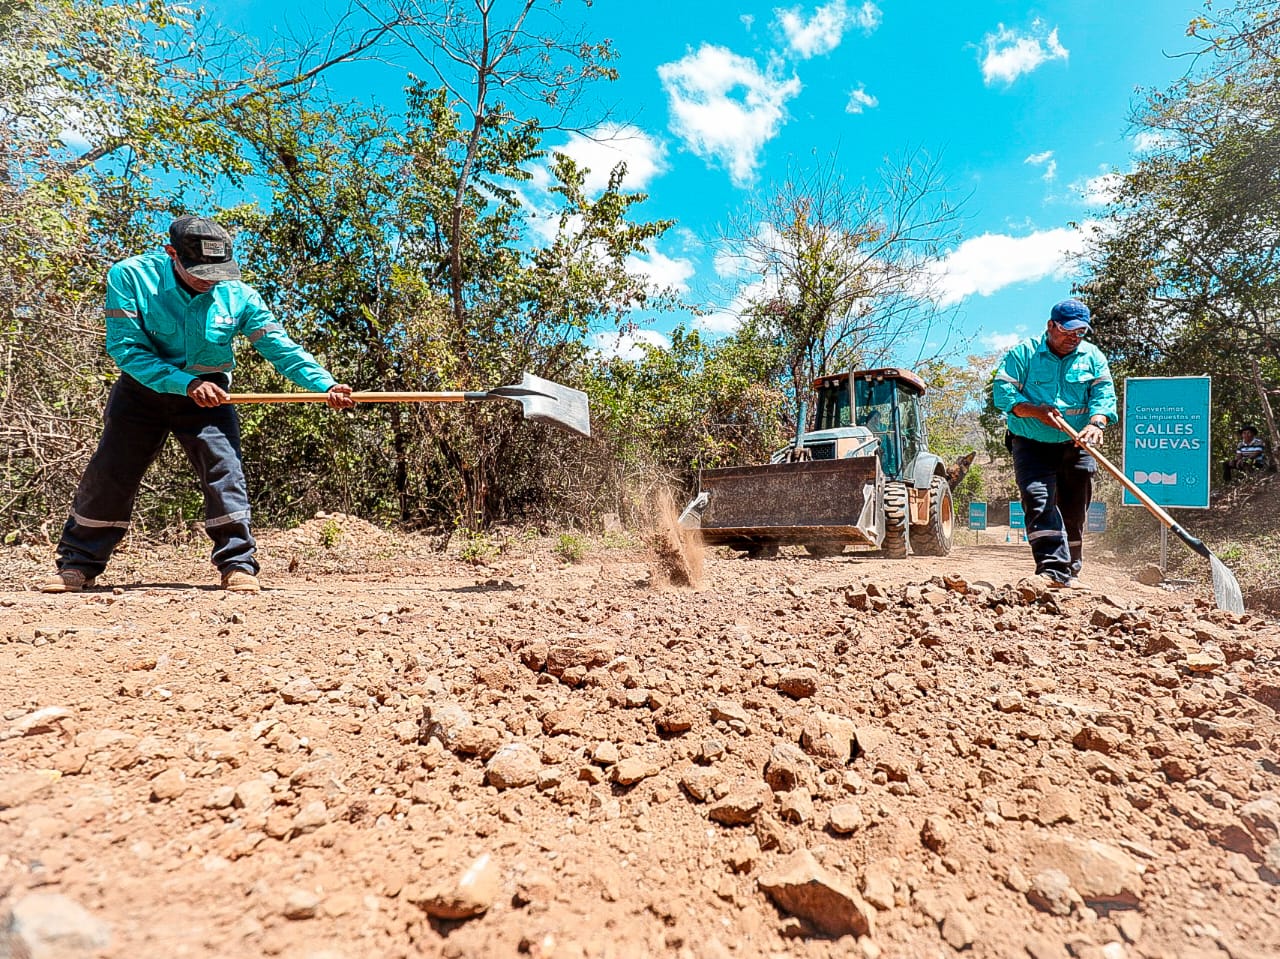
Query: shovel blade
1226, 589
550, 402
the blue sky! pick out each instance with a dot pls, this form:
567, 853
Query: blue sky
1026, 105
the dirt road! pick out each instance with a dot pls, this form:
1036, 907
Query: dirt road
392, 753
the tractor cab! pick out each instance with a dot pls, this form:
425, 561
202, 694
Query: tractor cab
884, 401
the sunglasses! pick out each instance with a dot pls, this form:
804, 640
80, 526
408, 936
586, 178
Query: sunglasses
1074, 334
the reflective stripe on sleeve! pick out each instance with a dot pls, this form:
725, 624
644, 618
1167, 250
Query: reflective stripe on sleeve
198, 368
99, 523
263, 330
1006, 378
235, 517
121, 315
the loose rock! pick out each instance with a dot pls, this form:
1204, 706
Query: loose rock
803, 888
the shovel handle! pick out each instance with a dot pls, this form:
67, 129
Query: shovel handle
365, 397
1128, 484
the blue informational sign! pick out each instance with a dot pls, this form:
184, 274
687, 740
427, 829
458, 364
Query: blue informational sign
1095, 521
1017, 519
1166, 439
977, 516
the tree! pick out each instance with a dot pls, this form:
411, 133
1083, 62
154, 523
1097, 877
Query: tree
1186, 274
956, 398
398, 248
358, 240
843, 269
113, 118
676, 409
478, 58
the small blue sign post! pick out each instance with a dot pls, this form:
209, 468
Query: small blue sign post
1095, 520
977, 518
1017, 520
1166, 439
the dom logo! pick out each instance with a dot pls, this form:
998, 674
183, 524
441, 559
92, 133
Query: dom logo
1156, 479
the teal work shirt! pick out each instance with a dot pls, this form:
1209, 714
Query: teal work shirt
165, 338
1078, 384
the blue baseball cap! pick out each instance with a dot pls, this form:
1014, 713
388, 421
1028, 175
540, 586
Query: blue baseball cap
1071, 315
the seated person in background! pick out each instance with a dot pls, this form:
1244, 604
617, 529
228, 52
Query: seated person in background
1251, 454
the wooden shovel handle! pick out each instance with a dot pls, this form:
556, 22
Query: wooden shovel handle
366, 397
1152, 506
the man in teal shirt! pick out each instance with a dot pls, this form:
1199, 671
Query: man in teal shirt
1039, 381
171, 319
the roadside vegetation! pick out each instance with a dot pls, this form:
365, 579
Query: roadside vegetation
413, 248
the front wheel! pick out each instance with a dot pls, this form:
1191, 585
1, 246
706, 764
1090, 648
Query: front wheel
896, 529
934, 538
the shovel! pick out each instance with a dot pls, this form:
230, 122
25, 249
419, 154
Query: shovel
1226, 590
541, 399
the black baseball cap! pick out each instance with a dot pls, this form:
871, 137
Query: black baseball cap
204, 248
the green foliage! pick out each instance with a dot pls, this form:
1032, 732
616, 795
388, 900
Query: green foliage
477, 547
1186, 277
957, 405
571, 547
659, 418
611, 539
398, 249
330, 534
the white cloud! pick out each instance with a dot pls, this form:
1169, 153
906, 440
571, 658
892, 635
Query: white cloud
1046, 160
627, 346
822, 32
598, 151
728, 318
987, 263
1100, 190
1152, 141
725, 108
1003, 342
868, 16
662, 272
603, 148
860, 100
1010, 54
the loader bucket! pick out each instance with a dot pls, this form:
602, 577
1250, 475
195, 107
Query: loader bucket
818, 502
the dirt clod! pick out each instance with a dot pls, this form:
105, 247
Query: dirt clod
679, 552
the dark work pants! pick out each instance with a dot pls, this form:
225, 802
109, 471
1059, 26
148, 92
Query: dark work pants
137, 423
1056, 482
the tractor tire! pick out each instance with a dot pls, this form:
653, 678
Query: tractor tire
897, 535
823, 550
934, 538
